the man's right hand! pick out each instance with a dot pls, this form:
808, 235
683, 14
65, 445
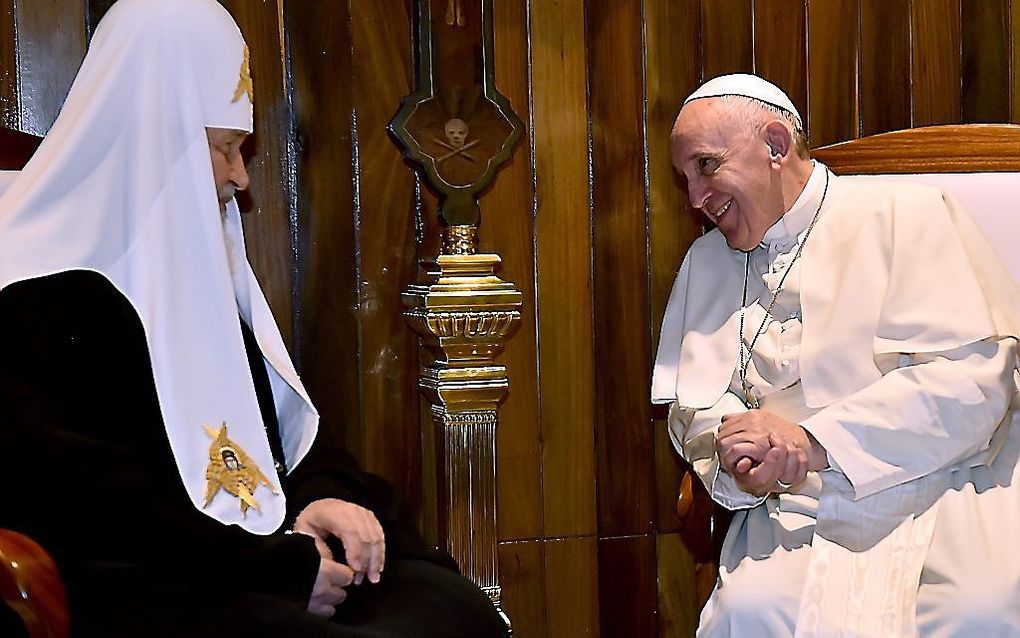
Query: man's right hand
328, 591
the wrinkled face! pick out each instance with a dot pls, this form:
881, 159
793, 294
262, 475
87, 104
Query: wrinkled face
456, 132
227, 164
730, 175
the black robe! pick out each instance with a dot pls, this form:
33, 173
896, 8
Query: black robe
89, 474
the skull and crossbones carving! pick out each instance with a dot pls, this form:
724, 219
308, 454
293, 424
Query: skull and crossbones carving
456, 132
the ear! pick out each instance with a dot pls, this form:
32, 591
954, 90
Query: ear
779, 140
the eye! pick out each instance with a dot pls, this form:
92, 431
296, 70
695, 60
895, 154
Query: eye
708, 165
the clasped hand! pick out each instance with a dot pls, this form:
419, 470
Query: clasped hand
758, 448
364, 549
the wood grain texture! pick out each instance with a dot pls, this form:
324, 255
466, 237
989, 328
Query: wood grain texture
51, 46
1014, 67
522, 575
571, 586
885, 65
386, 245
832, 86
508, 229
326, 279
563, 252
780, 47
936, 61
985, 65
727, 34
620, 265
10, 113
679, 604
933, 149
673, 70
267, 203
627, 586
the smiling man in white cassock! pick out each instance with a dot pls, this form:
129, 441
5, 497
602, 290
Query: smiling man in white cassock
839, 355
158, 440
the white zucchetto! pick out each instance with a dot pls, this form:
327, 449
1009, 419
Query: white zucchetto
745, 85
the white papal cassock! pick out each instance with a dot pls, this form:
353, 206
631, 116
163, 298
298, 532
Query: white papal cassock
893, 342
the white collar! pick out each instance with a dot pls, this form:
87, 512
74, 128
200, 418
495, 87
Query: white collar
796, 220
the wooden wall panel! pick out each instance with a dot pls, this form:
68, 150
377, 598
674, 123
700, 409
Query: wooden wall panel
508, 227
627, 587
522, 571
572, 587
326, 290
10, 114
563, 247
780, 47
267, 203
673, 71
936, 61
832, 86
48, 45
885, 65
678, 614
623, 417
727, 28
386, 244
986, 62
1014, 69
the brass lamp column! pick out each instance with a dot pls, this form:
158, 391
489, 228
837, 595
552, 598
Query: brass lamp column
459, 129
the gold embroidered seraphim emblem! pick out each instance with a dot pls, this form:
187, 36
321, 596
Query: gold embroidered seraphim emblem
232, 470
244, 83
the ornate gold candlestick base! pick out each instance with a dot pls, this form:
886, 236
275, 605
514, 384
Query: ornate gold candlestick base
464, 313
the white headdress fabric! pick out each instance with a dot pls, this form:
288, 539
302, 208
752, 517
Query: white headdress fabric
123, 186
745, 85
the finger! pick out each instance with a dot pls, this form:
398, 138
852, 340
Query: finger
352, 547
733, 450
744, 465
377, 560
339, 575
791, 468
365, 520
762, 476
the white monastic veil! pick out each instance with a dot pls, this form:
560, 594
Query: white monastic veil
123, 186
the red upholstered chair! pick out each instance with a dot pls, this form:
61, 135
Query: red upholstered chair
29, 582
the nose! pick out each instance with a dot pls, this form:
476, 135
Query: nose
239, 174
698, 192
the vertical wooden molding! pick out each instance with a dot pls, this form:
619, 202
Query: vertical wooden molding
936, 61
833, 71
986, 60
1014, 68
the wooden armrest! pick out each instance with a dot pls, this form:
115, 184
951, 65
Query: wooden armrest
30, 585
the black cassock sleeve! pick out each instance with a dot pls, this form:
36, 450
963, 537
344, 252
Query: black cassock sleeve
88, 472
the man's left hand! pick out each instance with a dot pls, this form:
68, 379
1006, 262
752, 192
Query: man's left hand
745, 438
356, 527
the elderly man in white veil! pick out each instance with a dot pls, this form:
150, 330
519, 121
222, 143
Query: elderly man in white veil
153, 420
839, 356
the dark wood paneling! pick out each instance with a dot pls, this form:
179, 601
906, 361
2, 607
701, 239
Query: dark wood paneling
508, 230
9, 114
986, 50
832, 86
627, 587
936, 61
386, 245
51, 45
326, 298
672, 31
563, 247
885, 65
679, 606
572, 587
1014, 69
522, 570
625, 488
727, 35
780, 47
267, 223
